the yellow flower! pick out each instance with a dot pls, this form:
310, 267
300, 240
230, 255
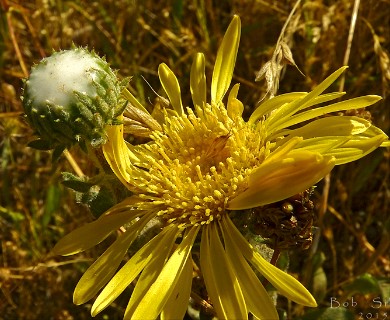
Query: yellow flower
200, 164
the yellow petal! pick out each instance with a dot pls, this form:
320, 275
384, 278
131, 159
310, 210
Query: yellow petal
281, 151
171, 86
149, 275
206, 261
322, 98
134, 102
345, 138
282, 178
164, 285
283, 282
323, 145
355, 103
226, 293
332, 126
385, 144
198, 80
225, 61
101, 271
256, 297
277, 121
274, 103
93, 233
355, 148
132, 269
234, 106
117, 154
177, 304
283, 114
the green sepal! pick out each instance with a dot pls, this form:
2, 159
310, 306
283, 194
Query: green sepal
90, 99
98, 199
75, 183
57, 152
40, 144
83, 146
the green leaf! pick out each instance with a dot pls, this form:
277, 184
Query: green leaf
319, 277
367, 166
364, 284
52, 203
384, 286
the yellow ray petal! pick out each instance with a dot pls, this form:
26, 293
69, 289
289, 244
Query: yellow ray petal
228, 295
206, 261
198, 80
234, 106
128, 96
323, 145
322, 98
177, 304
171, 86
283, 114
132, 269
282, 178
117, 154
283, 282
345, 138
373, 131
355, 148
332, 126
385, 144
166, 282
280, 116
225, 61
93, 233
274, 103
355, 103
256, 297
283, 149
101, 271
148, 276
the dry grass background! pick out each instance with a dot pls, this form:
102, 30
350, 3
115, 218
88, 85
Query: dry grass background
353, 207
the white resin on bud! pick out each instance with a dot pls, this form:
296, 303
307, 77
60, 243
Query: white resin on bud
55, 80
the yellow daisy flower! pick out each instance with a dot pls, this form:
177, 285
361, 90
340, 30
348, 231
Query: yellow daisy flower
200, 164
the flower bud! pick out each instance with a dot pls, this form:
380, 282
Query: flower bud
70, 97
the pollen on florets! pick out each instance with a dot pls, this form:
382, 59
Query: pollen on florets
71, 96
199, 161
